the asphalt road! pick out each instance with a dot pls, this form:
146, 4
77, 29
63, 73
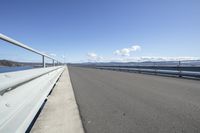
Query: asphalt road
120, 102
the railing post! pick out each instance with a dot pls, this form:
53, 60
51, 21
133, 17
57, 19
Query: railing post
155, 68
139, 67
179, 68
43, 61
53, 63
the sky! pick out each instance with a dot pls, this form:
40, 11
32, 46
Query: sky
102, 30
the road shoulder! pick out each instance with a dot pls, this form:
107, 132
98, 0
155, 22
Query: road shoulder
60, 114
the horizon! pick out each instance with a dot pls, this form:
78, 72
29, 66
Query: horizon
110, 62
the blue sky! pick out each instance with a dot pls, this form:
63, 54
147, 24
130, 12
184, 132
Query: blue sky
91, 30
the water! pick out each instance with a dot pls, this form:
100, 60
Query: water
12, 69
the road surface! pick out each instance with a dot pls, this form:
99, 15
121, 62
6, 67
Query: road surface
120, 102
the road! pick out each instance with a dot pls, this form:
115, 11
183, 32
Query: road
120, 102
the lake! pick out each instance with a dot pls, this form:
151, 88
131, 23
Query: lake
12, 69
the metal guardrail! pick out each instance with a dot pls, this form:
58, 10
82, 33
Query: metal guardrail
12, 79
19, 44
179, 71
19, 106
22, 93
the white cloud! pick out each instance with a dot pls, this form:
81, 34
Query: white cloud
94, 57
125, 57
127, 51
150, 58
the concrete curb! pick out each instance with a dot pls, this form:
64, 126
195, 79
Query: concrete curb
60, 114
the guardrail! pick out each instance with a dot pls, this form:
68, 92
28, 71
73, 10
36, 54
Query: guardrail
19, 44
13, 79
166, 70
22, 95
176, 68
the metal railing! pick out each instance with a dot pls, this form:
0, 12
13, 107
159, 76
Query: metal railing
19, 44
178, 68
176, 71
22, 93
13, 79
179, 73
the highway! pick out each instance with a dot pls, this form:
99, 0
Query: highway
121, 102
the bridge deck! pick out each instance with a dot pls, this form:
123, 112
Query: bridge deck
60, 114
120, 102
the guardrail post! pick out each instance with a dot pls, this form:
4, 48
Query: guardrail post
179, 68
53, 63
155, 68
43, 61
139, 68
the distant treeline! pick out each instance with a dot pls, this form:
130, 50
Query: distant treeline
9, 63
